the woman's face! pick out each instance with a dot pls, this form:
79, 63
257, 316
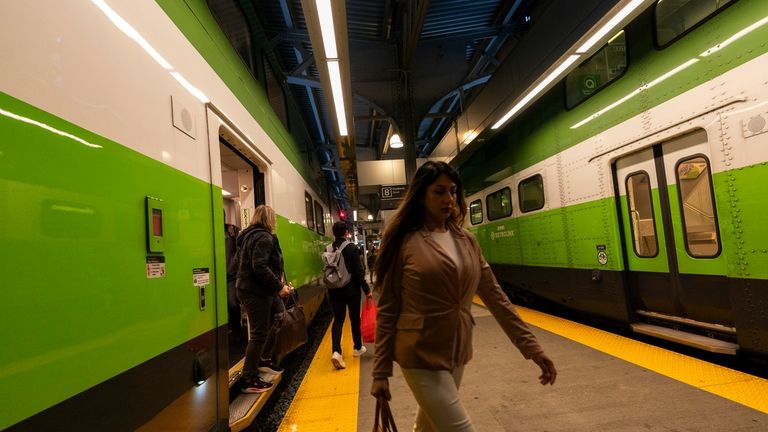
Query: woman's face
440, 200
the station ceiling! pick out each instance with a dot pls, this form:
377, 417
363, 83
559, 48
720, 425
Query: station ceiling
417, 65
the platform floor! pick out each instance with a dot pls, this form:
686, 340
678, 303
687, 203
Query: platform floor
605, 383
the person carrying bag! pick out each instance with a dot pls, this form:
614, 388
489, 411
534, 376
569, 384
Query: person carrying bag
291, 326
344, 277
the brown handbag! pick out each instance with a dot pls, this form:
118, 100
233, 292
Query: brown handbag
384, 422
291, 327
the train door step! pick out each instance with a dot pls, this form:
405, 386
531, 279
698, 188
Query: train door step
244, 407
693, 340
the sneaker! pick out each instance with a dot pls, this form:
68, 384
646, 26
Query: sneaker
361, 351
337, 361
269, 367
256, 386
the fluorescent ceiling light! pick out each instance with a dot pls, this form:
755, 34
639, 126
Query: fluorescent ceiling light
609, 26
395, 141
338, 95
538, 89
325, 15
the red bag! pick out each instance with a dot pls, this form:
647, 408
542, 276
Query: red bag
368, 321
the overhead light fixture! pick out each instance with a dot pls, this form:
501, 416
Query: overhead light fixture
338, 95
370, 217
395, 141
325, 15
328, 34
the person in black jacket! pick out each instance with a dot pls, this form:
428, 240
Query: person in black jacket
233, 306
347, 297
260, 284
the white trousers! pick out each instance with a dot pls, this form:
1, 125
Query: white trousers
437, 393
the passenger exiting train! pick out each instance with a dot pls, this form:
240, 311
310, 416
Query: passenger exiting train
429, 269
347, 297
260, 284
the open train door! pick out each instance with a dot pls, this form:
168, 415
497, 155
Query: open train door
676, 270
239, 184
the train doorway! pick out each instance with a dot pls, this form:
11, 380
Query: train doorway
675, 265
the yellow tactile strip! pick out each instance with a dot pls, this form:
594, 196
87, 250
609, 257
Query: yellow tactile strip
327, 398
739, 387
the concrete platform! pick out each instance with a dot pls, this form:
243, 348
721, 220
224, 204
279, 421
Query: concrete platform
595, 391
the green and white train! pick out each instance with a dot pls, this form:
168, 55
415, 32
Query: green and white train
118, 124
635, 190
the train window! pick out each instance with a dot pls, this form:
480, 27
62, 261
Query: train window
641, 216
310, 214
606, 66
531, 193
319, 218
499, 204
476, 212
702, 239
677, 17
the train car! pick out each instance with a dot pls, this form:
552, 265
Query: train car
122, 124
633, 191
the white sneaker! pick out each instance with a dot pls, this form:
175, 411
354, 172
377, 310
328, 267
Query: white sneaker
361, 351
337, 361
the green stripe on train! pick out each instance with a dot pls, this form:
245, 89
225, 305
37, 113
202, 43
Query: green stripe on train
73, 238
568, 237
545, 129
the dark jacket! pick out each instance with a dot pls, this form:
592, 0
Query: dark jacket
259, 261
354, 264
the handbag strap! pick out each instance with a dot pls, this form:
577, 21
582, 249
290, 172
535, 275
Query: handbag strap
384, 413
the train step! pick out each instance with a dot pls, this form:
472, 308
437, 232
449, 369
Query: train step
243, 407
693, 340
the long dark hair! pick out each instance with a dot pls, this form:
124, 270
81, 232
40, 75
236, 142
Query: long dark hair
409, 215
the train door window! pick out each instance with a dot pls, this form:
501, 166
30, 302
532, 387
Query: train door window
476, 212
641, 216
604, 67
499, 204
319, 218
310, 214
531, 193
675, 18
702, 239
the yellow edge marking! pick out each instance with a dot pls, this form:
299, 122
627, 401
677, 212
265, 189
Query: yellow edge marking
327, 398
727, 383
476, 300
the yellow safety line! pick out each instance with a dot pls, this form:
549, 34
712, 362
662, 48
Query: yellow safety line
730, 384
327, 398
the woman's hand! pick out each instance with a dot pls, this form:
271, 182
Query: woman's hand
285, 291
548, 371
380, 387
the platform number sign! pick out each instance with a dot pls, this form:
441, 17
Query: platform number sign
391, 196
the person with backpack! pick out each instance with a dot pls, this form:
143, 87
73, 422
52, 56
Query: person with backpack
260, 284
344, 277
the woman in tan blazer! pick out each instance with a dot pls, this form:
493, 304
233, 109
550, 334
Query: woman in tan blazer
428, 270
